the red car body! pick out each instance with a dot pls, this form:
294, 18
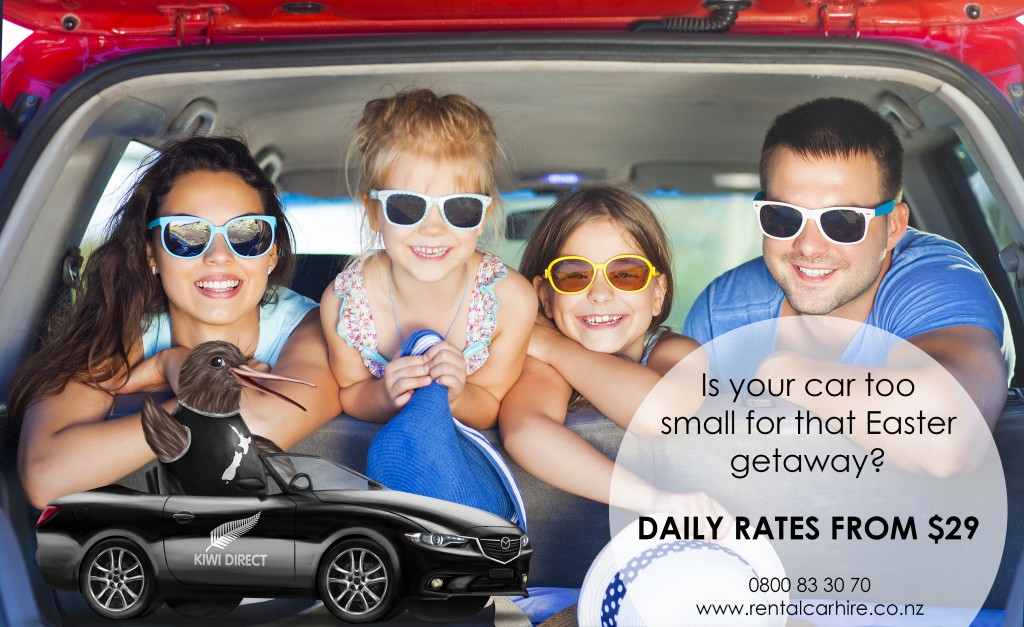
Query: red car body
985, 35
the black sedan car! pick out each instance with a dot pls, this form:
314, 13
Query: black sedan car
317, 529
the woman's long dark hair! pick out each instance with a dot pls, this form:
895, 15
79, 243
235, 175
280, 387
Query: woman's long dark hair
89, 340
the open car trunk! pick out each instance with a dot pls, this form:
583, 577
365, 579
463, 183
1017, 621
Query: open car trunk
654, 111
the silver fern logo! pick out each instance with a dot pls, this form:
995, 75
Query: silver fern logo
227, 533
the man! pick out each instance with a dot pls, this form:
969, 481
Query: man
861, 263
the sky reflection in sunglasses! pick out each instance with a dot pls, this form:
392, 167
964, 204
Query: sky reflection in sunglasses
186, 237
839, 225
625, 273
405, 208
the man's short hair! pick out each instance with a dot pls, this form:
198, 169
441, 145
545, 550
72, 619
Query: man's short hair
837, 128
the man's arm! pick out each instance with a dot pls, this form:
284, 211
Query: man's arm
972, 355
958, 375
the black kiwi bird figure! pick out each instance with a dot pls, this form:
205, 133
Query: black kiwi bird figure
205, 447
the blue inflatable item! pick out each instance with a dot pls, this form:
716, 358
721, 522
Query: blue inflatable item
425, 450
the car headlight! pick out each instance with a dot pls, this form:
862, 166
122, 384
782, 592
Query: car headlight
437, 539
524, 541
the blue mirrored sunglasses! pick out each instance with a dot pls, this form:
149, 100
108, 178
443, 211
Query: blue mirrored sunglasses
188, 236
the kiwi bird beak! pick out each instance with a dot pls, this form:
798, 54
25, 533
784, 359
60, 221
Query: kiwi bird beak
246, 376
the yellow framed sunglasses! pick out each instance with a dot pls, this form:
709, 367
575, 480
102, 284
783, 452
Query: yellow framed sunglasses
625, 273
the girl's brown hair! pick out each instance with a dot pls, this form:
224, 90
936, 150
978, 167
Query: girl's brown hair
624, 210
89, 341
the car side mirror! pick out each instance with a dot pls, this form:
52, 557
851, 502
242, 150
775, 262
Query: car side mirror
300, 482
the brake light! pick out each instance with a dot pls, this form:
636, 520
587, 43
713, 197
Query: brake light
48, 512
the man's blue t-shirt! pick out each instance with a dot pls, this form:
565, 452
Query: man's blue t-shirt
931, 284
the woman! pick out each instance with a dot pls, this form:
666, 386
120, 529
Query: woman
198, 252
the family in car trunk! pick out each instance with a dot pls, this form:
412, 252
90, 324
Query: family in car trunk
519, 253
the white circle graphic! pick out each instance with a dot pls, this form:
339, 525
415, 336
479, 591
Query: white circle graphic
859, 458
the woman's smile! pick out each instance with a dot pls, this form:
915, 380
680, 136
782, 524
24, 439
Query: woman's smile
219, 285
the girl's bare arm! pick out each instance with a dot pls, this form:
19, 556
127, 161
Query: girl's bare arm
615, 385
478, 404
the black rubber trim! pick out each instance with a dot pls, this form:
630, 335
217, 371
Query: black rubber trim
362, 50
980, 243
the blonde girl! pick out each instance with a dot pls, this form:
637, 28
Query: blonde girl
426, 177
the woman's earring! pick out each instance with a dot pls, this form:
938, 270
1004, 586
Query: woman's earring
153, 268
270, 269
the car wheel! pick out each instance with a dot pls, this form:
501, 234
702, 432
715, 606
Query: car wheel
357, 581
117, 580
202, 608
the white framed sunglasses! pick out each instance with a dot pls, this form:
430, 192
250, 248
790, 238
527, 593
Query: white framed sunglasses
405, 208
839, 225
